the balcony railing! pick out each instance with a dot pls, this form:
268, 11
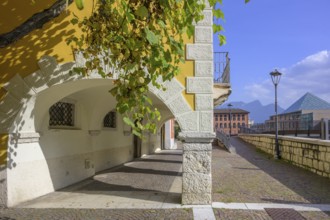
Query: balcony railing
221, 67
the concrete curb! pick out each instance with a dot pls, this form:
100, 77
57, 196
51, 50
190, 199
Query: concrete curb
262, 206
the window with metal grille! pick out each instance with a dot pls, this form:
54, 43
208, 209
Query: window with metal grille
61, 114
109, 120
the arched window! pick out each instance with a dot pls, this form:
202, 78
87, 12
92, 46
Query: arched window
110, 120
61, 114
234, 125
225, 125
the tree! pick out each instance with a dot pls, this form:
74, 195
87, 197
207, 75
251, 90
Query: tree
143, 41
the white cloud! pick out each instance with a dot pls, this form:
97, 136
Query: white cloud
312, 74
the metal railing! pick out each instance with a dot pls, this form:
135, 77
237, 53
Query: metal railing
288, 128
224, 138
221, 67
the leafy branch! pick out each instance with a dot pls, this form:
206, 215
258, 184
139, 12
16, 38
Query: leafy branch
143, 40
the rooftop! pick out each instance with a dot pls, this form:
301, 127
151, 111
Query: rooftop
308, 102
232, 110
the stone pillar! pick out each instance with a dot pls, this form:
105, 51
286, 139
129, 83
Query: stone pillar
3, 186
325, 128
3, 169
197, 176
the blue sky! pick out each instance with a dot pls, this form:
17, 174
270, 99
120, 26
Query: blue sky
290, 35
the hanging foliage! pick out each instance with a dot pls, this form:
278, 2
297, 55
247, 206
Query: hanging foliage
143, 40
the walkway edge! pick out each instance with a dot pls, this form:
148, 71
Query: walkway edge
203, 213
262, 206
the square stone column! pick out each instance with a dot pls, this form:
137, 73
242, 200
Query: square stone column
197, 176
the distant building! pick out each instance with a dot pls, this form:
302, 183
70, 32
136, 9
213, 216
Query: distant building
305, 114
239, 118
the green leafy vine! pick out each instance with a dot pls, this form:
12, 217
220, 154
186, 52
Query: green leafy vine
143, 41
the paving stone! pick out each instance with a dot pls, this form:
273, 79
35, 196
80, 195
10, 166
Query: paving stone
95, 214
284, 214
251, 176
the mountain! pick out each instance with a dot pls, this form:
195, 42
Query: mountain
258, 112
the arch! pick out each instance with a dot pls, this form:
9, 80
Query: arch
51, 152
53, 82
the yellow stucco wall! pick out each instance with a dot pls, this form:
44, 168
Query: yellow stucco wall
18, 11
3, 149
21, 57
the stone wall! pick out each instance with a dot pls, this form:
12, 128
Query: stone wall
311, 154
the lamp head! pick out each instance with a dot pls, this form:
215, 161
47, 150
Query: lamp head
276, 76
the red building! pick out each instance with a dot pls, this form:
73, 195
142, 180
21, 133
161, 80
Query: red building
230, 119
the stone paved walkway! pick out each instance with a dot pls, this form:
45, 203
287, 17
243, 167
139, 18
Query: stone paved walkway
153, 181
250, 176
150, 188
146, 188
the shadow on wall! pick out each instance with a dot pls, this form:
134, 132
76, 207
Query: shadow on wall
19, 12
21, 57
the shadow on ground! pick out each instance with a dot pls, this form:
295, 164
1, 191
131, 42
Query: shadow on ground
312, 187
253, 176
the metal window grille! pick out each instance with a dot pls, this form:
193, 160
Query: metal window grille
61, 114
109, 120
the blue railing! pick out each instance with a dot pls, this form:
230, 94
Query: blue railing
221, 67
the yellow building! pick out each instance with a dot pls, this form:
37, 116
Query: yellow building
58, 129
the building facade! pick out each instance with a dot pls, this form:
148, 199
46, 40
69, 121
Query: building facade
230, 120
58, 129
304, 115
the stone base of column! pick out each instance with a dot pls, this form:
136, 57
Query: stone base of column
196, 189
197, 177
3, 186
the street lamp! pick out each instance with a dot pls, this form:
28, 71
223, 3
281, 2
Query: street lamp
276, 76
229, 106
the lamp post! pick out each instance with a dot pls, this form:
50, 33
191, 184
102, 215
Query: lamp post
229, 106
276, 76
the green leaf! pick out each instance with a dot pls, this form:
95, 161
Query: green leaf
137, 133
151, 37
222, 39
217, 28
74, 21
129, 16
142, 12
247, 1
161, 23
128, 121
218, 13
79, 4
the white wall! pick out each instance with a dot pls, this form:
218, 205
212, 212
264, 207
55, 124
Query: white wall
61, 157
169, 139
